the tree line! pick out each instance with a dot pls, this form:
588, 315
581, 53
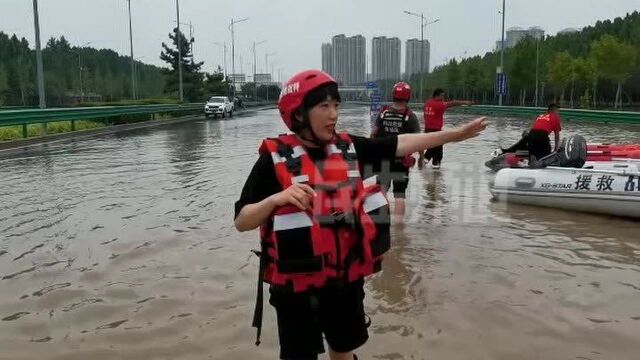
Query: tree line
75, 74
598, 66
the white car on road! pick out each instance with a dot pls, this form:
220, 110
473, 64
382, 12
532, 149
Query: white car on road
218, 105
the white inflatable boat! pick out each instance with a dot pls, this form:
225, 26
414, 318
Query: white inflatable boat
611, 188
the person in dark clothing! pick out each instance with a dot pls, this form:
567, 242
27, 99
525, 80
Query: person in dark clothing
392, 121
323, 224
536, 140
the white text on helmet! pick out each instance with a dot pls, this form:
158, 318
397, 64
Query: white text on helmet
291, 88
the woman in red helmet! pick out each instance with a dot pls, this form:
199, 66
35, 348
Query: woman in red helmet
392, 121
323, 227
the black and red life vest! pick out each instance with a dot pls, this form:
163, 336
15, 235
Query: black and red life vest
393, 122
342, 239
345, 234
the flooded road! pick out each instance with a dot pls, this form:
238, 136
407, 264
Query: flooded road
123, 247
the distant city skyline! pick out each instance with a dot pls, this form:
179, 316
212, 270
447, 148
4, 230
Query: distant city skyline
294, 29
414, 62
385, 58
516, 34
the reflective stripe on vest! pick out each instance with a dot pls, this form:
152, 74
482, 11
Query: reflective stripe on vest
300, 179
374, 202
291, 221
297, 152
353, 173
370, 181
333, 149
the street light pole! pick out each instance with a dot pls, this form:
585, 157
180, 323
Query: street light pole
80, 70
224, 54
422, 26
421, 55
537, 62
41, 96
266, 61
233, 51
255, 83
133, 68
179, 35
36, 21
266, 68
502, 52
190, 25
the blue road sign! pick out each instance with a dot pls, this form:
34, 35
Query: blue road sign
501, 84
375, 99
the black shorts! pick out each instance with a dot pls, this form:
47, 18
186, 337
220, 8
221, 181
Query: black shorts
336, 312
539, 143
399, 176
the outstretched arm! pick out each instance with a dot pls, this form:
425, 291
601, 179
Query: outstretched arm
410, 143
459, 102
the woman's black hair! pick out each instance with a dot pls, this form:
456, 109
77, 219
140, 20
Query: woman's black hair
320, 94
313, 98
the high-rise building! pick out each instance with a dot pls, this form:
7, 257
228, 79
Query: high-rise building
385, 58
414, 62
349, 59
568, 31
327, 58
515, 34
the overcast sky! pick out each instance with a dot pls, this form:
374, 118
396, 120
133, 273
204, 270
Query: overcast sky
295, 29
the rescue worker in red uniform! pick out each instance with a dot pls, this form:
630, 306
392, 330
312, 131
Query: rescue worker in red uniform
392, 121
537, 141
434, 110
323, 225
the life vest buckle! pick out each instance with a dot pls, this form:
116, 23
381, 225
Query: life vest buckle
337, 219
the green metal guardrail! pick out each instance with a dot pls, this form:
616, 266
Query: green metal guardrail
531, 112
566, 114
39, 116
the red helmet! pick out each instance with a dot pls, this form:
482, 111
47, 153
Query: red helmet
401, 91
294, 91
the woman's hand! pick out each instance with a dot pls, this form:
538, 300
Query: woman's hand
300, 195
471, 129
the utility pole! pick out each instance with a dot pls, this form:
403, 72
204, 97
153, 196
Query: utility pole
255, 83
133, 67
502, 52
179, 34
233, 52
224, 54
422, 46
537, 62
41, 96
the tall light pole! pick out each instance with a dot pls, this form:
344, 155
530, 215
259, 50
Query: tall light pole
179, 35
255, 83
190, 25
537, 62
36, 22
139, 59
224, 54
80, 69
266, 61
422, 26
266, 68
501, 52
41, 99
233, 51
133, 67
